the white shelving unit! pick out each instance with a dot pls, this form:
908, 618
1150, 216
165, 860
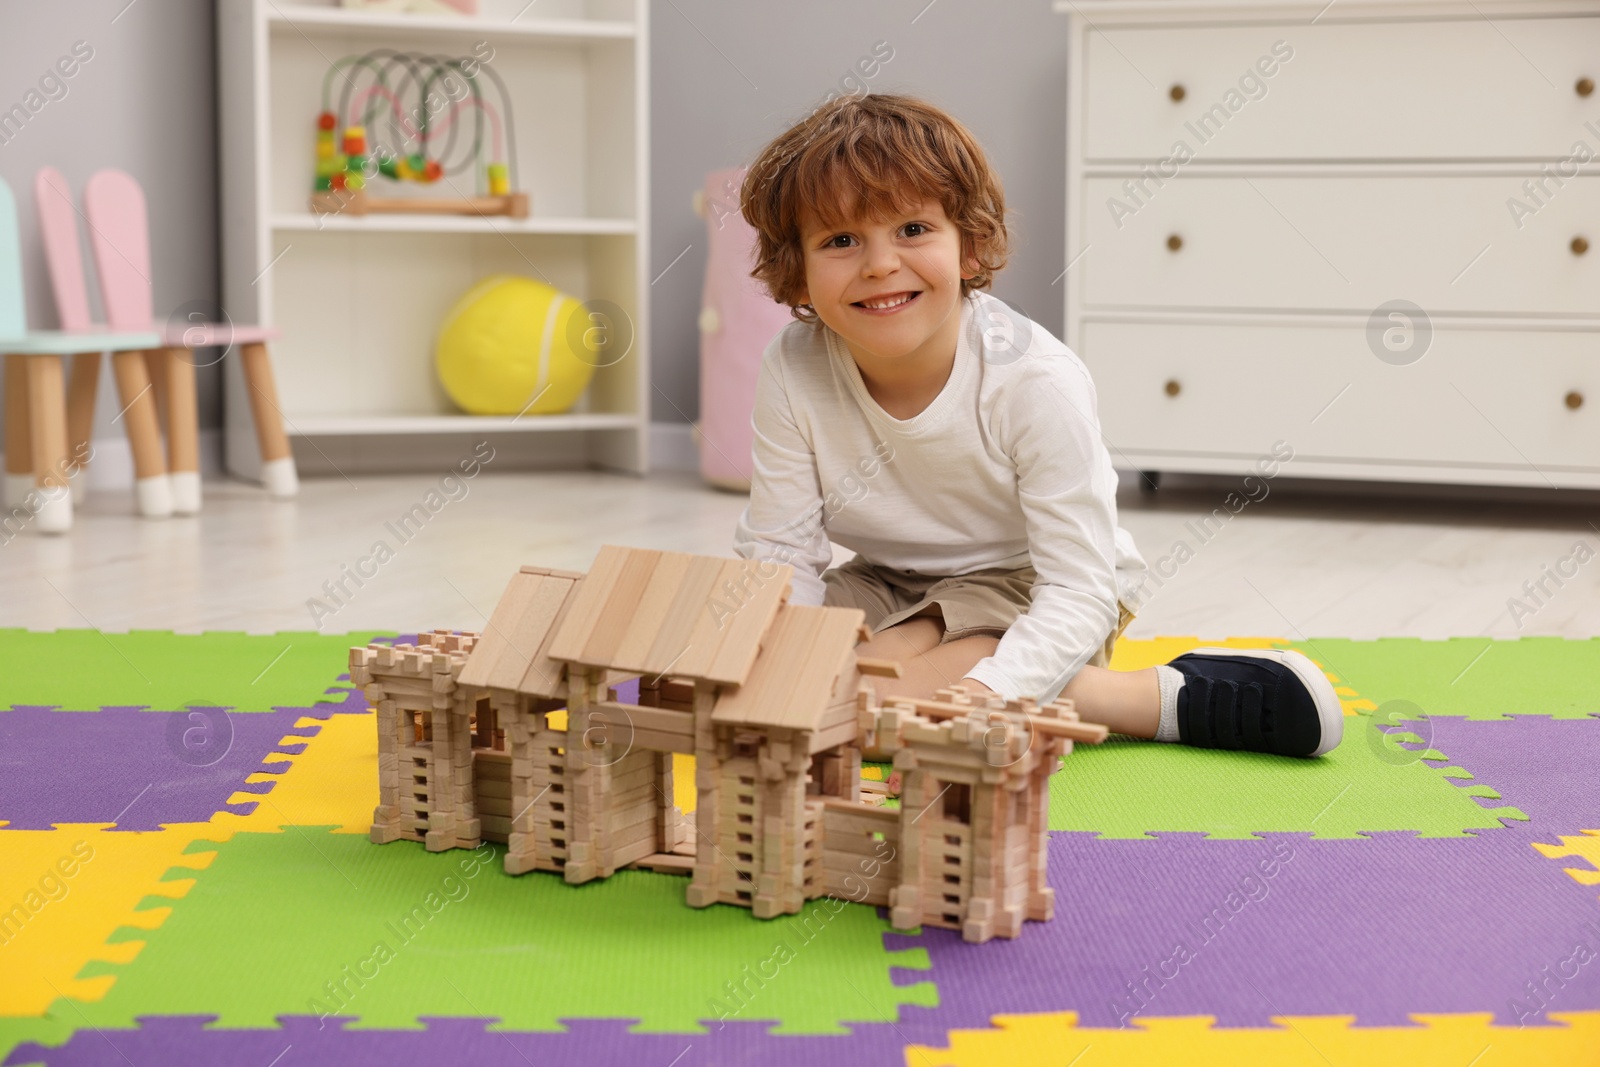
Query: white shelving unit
359, 300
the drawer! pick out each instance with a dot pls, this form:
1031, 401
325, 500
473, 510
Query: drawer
1479, 398
1449, 244
1381, 91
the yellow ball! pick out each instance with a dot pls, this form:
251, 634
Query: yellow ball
513, 345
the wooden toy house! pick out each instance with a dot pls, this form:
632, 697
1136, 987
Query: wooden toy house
517, 735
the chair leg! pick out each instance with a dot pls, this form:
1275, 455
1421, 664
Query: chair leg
155, 367
19, 450
151, 485
277, 460
47, 426
183, 431
81, 389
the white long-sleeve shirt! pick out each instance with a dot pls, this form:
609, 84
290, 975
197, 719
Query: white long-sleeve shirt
1004, 468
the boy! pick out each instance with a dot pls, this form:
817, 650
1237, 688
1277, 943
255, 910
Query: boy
955, 446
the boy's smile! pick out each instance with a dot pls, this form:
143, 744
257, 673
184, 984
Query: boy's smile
891, 289
889, 304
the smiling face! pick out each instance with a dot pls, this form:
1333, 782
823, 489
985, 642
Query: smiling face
890, 287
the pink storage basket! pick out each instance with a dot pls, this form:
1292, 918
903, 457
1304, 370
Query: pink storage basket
737, 320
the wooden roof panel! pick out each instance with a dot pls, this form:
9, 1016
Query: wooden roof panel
647, 612
672, 640
512, 652
653, 604
621, 611
791, 683
543, 676
589, 602
751, 618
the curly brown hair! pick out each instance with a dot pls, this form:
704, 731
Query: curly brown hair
885, 152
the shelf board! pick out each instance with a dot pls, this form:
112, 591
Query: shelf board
399, 223
371, 425
431, 27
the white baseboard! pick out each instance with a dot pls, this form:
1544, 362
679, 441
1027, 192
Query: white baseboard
674, 447
111, 464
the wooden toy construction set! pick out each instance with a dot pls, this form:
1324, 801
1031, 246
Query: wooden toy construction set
517, 735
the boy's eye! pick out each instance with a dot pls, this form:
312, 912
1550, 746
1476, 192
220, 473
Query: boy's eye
844, 240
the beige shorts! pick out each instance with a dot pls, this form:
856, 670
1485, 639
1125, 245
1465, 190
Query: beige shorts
986, 601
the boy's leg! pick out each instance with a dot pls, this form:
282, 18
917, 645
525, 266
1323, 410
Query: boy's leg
1303, 705
1128, 702
905, 640
926, 666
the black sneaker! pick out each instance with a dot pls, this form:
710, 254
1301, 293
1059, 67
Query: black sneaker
1257, 700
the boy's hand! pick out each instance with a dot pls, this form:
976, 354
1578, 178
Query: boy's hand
976, 688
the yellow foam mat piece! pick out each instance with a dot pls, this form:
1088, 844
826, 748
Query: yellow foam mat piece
1585, 847
683, 791
1135, 654
1131, 654
52, 924
332, 782
1440, 1041
62, 893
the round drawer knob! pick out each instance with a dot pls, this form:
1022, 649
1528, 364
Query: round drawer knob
1580, 245
1174, 243
1173, 388
1178, 92
1574, 400
1585, 86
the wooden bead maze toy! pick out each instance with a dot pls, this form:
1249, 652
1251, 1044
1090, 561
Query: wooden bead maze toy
401, 115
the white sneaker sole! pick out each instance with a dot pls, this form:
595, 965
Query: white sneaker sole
1330, 713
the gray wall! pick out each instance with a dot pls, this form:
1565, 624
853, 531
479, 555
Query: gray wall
726, 77
729, 75
146, 103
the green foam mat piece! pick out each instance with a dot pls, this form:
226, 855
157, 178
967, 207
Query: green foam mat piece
310, 922
82, 670
15, 1030
1126, 788
1475, 677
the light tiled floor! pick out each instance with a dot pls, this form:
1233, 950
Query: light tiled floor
1304, 562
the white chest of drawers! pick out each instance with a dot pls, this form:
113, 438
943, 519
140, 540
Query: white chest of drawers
1367, 228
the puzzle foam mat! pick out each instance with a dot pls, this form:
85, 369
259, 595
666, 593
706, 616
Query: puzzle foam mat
185, 877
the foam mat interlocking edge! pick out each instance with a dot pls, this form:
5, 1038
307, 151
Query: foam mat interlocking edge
1312, 1041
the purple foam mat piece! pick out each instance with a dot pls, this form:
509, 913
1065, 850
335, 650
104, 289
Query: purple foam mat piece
592, 1042
140, 769
1549, 768
1377, 928
337, 700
